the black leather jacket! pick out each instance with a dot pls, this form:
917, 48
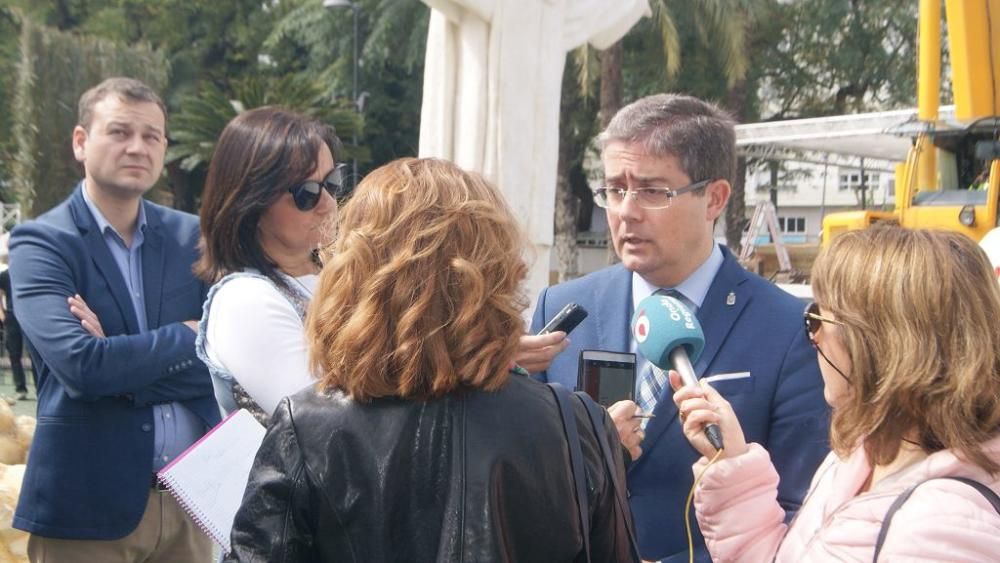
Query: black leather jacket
473, 476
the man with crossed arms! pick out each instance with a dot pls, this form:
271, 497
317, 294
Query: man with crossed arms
108, 299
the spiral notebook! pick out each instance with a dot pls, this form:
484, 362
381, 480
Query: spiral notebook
209, 478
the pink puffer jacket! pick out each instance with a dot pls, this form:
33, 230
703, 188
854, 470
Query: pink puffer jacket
944, 520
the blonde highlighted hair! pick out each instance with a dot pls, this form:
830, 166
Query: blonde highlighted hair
920, 312
420, 295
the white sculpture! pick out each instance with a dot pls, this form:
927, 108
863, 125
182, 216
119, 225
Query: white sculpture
492, 80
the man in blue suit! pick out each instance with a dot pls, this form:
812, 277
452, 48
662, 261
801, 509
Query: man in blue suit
669, 162
104, 285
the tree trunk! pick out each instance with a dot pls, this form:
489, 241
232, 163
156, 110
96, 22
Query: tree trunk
611, 83
736, 211
564, 246
179, 182
736, 219
611, 102
566, 251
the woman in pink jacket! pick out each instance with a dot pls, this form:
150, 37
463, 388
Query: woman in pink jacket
905, 326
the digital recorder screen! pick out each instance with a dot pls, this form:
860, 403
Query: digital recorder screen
608, 377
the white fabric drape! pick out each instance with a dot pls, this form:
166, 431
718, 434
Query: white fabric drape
492, 80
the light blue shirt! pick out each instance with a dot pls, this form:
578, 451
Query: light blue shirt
692, 293
175, 426
693, 290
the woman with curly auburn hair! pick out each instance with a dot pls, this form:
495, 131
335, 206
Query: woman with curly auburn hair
422, 292
905, 329
421, 441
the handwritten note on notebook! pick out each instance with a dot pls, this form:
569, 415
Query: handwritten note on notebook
209, 478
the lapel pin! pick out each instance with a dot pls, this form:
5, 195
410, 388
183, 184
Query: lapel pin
731, 299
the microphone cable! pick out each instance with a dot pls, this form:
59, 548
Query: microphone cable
687, 505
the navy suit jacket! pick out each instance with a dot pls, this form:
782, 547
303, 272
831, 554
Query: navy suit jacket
780, 405
91, 461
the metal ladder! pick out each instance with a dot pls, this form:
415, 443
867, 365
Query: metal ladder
764, 213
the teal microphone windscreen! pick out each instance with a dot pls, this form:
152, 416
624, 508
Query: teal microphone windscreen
670, 337
661, 324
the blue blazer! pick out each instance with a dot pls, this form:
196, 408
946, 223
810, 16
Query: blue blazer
91, 461
780, 405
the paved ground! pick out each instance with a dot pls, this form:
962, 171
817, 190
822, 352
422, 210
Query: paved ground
7, 389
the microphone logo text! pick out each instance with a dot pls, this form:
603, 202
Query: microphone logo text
678, 313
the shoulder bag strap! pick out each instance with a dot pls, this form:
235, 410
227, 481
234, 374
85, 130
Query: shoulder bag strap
983, 490
562, 396
596, 415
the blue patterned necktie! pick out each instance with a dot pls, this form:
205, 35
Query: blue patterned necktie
652, 381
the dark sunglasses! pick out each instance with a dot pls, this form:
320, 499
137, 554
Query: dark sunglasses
307, 194
813, 319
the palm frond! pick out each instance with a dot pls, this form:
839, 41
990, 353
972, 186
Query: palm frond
203, 117
668, 38
588, 69
723, 26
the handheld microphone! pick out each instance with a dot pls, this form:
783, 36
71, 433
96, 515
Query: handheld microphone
669, 336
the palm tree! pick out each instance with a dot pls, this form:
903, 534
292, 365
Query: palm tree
722, 27
312, 40
195, 129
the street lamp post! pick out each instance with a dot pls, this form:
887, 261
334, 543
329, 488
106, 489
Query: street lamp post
354, 82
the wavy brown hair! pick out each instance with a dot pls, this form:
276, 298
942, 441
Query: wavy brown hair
420, 295
920, 311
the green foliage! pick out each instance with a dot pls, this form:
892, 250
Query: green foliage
318, 42
712, 32
307, 37
706, 48
392, 115
195, 129
398, 34
662, 24
838, 57
202, 39
392, 74
294, 53
55, 68
308, 66
8, 54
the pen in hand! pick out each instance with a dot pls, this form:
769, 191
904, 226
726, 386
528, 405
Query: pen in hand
643, 415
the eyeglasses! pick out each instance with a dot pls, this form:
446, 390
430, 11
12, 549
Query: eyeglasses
813, 320
647, 198
307, 194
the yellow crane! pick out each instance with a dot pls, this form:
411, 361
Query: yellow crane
951, 177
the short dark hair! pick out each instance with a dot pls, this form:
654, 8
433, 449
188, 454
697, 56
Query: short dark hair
128, 89
259, 156
700, 134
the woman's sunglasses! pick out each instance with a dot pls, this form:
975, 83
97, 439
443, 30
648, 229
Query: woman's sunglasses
813, 320
308, 194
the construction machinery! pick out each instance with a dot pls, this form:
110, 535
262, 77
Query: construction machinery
951, 176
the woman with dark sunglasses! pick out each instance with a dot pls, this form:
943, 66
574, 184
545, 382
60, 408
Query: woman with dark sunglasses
268, 205
905, 330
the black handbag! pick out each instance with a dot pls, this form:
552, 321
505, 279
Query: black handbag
563, 398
